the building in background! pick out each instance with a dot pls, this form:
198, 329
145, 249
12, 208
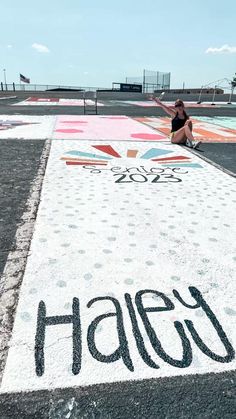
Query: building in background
194, 91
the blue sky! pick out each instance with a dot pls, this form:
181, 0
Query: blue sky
93, 43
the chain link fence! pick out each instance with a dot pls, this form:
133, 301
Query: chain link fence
43, 87
151, 81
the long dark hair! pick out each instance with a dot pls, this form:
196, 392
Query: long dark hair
179, 101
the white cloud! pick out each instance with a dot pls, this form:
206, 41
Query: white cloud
40, 48
225, 49
9, 46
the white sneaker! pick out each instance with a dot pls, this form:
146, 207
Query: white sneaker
189, 143
197, 144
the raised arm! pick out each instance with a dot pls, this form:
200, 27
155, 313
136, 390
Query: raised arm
167, 109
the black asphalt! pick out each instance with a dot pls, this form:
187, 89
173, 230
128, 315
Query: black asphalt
206, 396
203, 396
19, 161
222, 154
110, 108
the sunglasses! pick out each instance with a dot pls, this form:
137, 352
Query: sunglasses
178, 105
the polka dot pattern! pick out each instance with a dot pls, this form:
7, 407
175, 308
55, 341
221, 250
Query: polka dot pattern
97, 238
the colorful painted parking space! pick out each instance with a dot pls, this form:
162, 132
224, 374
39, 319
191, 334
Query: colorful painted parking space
188, 104
223, 121
55, 101
36, 101
131, 268
100, 127
26, 127
77, 127
205, 129
112, 127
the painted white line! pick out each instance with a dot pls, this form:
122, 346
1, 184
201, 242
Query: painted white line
14, 269
131, 272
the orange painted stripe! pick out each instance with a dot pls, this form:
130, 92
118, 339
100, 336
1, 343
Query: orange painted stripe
164, 130
165, 119
144, 119
141, 119
132, 153
208, 134
84, 160
81, 163
229, 130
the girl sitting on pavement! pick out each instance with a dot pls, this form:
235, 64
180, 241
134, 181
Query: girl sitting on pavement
181, 125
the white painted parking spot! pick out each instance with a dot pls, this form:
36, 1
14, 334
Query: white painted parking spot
26, 126
131, 272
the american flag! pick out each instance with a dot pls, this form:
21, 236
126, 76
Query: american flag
24, 79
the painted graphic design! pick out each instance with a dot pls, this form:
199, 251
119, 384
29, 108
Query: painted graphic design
55, 101
8, 124
202, 129
121, 128
126, 281
112, 160
26, 127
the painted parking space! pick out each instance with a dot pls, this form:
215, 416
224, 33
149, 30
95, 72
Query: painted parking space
204, 129
37, 101
149, 103
223, 121
100, 127
26, 127
131, 269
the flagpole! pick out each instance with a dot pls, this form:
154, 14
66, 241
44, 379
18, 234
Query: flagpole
21, 85
5, 79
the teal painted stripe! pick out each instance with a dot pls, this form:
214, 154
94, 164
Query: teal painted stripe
222, 121
154, 152
83, 154
194, 165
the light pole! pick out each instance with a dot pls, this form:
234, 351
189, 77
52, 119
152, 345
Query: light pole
199, 99
233, 85
5, 79
214, 93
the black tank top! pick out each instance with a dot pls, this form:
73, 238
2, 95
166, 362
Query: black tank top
177, 123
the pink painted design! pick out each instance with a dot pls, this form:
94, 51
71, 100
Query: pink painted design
112, 128
144, 136
69, 130
39, 99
